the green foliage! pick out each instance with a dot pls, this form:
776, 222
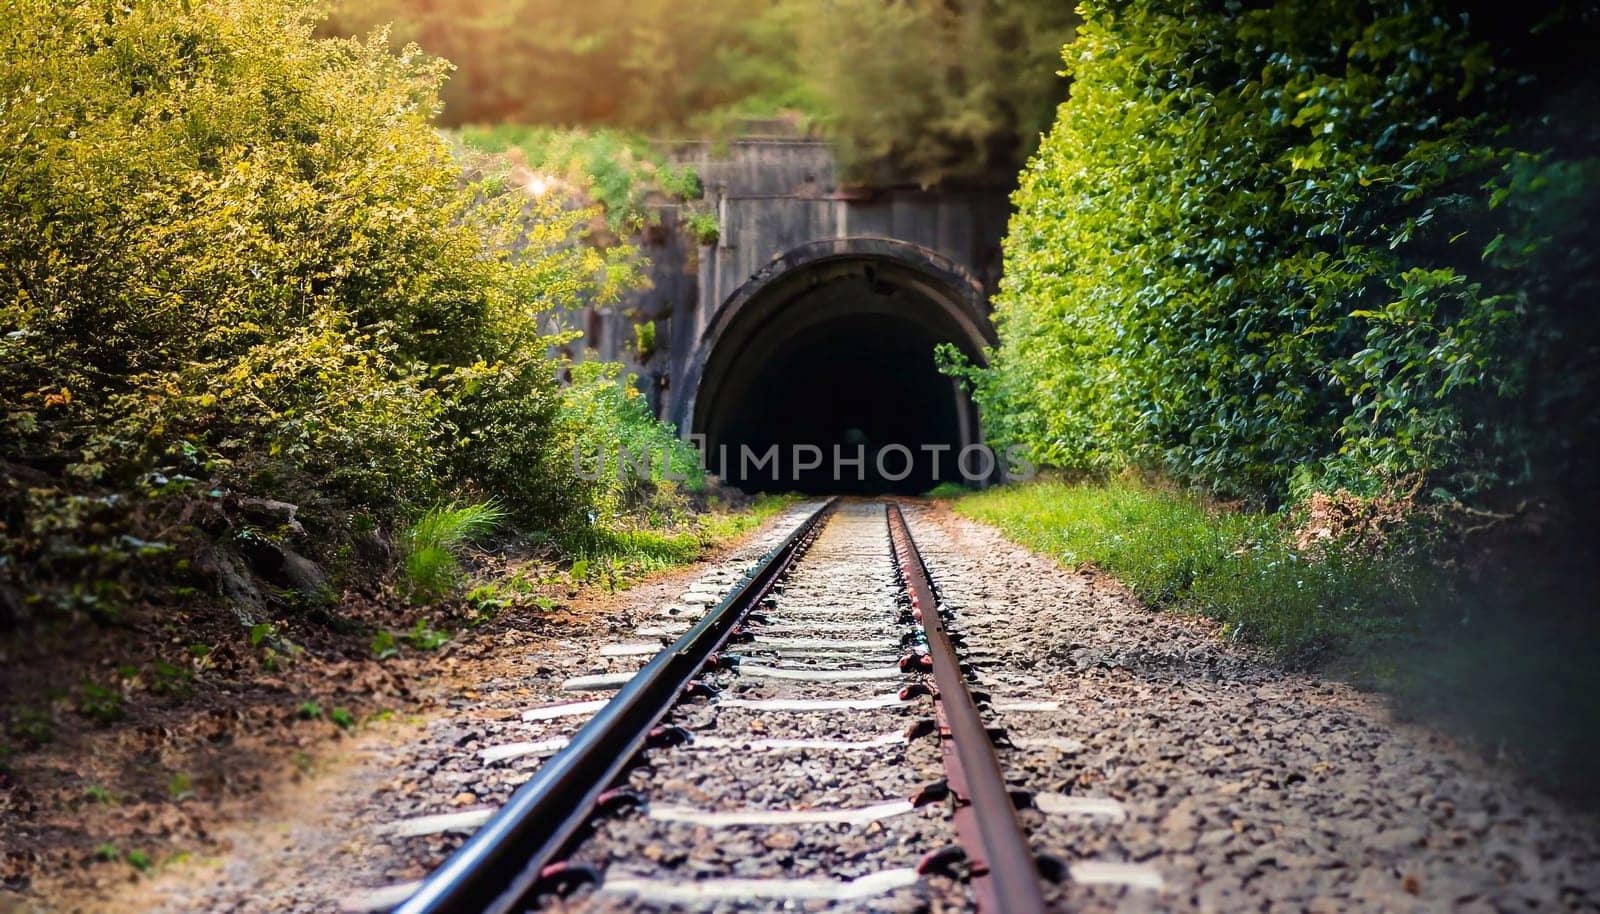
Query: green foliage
717, 526
424, 637
644, 340
237, 257
32, 725
948, 490
261, 633
179, 787
488, 599
167, 679
100, 703
384, 645
99, 795
640, 63
704, 227
309, 710
1176, 551
618, 170
920, 89
578, 571
604, 414
1288, 247
619, 553
432, 545
342, 718
1482, 654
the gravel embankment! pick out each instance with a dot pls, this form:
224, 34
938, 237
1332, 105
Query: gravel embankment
326, 846
1246, 787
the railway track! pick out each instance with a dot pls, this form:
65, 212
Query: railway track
803, 733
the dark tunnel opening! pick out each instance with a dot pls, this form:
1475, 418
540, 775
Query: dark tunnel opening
834, 389
856, 386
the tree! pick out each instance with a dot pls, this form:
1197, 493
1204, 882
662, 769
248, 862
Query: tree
916, 90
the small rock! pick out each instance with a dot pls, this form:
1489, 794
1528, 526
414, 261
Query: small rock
781, 840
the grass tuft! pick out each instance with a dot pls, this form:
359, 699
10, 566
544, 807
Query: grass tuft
619, 555
433, 544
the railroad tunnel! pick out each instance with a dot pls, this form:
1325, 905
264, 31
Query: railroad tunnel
831, 362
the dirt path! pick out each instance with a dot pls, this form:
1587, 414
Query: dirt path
1242, 786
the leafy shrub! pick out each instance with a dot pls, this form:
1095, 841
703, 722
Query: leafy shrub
605, 416
432, 544
514, 442
1294, 246
644, 340
704, 228
237, 257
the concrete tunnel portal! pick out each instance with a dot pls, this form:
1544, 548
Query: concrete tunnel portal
830, 358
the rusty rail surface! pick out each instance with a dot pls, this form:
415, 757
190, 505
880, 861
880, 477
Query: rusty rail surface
1004, 876
506, 860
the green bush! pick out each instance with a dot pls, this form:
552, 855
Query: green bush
235, 257
606, 415
1299, 245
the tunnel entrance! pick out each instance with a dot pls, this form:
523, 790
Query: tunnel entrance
851, 387
825, 382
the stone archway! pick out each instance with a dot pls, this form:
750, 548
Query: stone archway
831, 346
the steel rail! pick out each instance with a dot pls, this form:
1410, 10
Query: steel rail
1004, 876
503, 861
